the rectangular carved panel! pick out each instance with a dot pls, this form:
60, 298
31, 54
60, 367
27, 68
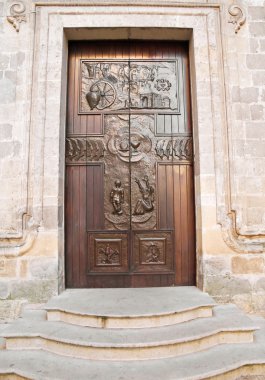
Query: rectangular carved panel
118, 85
153, 251
80, 150
108, 252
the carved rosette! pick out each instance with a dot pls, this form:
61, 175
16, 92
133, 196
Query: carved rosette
238, 16
17, 14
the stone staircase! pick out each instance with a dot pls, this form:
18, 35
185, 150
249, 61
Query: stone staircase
133, 334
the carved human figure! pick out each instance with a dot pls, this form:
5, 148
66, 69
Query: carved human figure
153, 254
117, 197
146, 204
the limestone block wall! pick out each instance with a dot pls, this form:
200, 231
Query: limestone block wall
239, 276
227, 55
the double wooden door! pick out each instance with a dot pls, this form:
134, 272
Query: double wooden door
129, 219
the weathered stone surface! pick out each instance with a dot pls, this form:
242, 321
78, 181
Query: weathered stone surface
214, 266
34, 290
10, 310
258, 78
245, 95
245, 265
257, 29
43, 268
225, 286
5, 131
23, 271
260, 284
256, 61
257, 112
254, 129
8, 91
4, 61
8, 267
257, 13
4, 290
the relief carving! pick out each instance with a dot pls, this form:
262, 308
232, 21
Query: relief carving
112, 85
17, 14
238, 16
180, 147
146, 203
117, 197
162, 85
129, 144
108, 255
83, 149
153, 254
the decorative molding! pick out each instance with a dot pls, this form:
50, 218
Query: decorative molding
14, 247
238, 16
83, 149
17, 14
180, 147
238, 242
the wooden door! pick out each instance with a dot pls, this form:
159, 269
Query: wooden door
129, 165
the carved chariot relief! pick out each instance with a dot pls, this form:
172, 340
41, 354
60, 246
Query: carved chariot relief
119, 85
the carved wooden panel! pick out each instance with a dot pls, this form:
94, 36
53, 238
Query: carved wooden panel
108, 85
178, 148
83, 149
153, 251
129, 165
108, 252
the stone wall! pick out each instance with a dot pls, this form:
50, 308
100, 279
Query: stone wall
227, 48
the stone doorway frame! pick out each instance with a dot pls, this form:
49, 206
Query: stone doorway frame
57, 23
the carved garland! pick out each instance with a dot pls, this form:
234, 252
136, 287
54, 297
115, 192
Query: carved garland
17, 14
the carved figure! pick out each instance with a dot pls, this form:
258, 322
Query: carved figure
109, 253
153, 254
146, 204
117, 197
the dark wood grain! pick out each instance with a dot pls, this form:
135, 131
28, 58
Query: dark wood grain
96, 255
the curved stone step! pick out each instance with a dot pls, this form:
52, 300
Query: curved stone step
229, 325
224, 362
129, 308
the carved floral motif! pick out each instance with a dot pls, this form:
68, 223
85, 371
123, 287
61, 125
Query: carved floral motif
180, 147
17, 14
82, 149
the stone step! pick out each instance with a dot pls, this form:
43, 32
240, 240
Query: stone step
228, 325
129, 308
224, 362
